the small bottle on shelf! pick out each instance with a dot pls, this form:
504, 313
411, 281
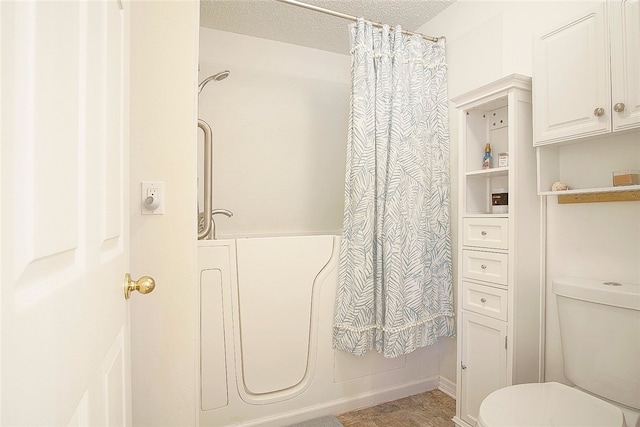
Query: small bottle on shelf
487, 160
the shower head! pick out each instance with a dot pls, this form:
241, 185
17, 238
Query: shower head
216, 77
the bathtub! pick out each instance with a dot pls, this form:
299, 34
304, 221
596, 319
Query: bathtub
265, 328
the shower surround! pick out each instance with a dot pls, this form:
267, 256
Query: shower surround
267, 286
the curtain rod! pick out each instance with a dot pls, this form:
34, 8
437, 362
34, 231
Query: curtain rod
345, 16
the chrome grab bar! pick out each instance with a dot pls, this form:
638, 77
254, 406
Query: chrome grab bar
208, 167
202, 219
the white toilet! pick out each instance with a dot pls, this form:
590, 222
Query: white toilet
600, 333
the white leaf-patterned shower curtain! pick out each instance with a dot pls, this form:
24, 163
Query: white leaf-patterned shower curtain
395, 284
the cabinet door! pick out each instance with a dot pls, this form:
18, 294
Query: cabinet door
483, 364
571, 86
625, 63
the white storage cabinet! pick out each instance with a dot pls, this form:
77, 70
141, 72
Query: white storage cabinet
586, 98
499, 280
586, 74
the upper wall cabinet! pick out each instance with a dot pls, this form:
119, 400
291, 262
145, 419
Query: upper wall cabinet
586, 75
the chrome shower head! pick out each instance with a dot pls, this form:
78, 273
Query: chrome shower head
216, 77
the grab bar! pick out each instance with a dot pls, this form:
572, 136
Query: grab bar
202, 219
208, 166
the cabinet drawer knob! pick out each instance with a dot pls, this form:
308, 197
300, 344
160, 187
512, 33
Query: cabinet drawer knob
598, 112
484, 267
619, 107
483, 300
484, 233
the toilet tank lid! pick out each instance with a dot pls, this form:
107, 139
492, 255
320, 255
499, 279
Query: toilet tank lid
625, 295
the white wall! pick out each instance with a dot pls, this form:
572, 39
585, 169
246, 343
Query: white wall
164, 49
280, 127
489, 40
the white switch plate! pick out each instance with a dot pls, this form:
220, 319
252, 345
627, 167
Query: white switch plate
154, 190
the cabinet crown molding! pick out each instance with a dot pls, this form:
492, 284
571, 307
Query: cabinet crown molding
513, 81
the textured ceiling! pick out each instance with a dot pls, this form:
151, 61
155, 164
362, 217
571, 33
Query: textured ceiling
270, 19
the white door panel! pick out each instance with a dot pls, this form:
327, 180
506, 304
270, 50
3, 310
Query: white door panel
625, 63
572, 79
484, 362
64, 231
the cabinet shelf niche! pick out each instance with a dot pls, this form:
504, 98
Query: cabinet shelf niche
588, 166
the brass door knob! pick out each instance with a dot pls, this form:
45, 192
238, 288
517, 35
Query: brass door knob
598, 112
619, 107
144, 285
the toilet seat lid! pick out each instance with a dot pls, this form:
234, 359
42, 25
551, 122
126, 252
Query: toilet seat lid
546, 404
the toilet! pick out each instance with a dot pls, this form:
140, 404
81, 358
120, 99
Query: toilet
600, 334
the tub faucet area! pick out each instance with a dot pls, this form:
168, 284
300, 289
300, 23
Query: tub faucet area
202, 219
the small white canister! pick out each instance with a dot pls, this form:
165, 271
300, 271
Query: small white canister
503, 160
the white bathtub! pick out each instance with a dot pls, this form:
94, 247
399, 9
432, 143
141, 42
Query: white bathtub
265, 359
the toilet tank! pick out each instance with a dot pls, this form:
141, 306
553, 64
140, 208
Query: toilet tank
600, 334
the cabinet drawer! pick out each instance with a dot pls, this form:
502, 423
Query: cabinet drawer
486, 266
485, 300
486, 232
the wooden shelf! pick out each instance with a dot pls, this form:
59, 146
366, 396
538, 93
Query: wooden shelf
606, 196
620, 189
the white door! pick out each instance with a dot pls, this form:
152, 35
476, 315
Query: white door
64, 213
625, 63
483, 363
571, 80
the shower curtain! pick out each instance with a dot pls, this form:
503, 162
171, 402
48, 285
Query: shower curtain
395, 284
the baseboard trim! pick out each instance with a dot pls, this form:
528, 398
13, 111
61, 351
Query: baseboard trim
447, 386
353, 403
459, 422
